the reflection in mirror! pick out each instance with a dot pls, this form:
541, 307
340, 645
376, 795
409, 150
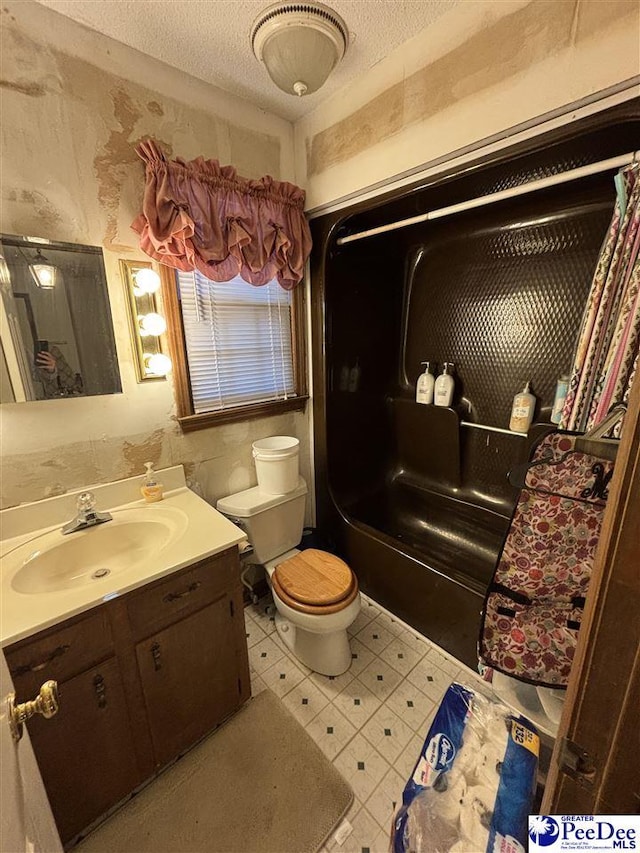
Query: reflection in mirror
55, 321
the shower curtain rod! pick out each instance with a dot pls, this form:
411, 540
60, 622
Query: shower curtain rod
480, 201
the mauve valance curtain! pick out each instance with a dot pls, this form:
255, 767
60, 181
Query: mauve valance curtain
201, 215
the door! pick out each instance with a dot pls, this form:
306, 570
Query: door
26, 822
594, 769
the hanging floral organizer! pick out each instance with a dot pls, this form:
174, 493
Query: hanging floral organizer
535, 601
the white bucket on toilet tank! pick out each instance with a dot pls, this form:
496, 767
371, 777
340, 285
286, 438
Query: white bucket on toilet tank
277, 464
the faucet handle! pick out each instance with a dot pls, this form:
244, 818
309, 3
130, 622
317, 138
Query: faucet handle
86, 501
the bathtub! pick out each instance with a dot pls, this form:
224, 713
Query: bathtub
416, 501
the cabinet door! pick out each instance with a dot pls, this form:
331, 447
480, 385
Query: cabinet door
190, 677
86, 752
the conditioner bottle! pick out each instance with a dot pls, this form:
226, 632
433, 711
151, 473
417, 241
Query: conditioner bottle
524, 405
426, 381
443, 391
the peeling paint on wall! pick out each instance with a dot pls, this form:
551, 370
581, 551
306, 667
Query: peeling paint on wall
115, 157
70, 173
504, 49
147, 450
47, 214
219, 459
25, 87
593, 15
155, 108
94, 120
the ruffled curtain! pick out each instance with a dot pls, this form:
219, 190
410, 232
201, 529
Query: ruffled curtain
609, 342
201, 215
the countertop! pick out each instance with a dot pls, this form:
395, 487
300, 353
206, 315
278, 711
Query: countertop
205, 533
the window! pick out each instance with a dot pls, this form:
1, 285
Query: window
237, 349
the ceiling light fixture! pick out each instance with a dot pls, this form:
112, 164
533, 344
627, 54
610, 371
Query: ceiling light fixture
300, 44
44, 273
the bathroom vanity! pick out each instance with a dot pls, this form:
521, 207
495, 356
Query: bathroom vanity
142, 674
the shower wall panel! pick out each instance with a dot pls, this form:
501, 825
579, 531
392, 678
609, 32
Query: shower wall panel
417, 503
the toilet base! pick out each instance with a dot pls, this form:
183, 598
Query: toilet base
328, 654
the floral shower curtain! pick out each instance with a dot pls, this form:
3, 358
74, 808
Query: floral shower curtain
201, 215
609, 342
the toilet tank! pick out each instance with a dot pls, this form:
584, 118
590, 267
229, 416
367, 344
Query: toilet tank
273, 523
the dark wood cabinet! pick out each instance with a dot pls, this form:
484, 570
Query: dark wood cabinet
140, 679
185, 699
86, 752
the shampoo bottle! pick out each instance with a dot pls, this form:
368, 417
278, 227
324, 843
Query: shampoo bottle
424, 387
562, 389
151, 489
524, 404
354, 376
443, 390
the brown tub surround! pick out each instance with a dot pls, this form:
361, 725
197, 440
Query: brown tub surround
415, 502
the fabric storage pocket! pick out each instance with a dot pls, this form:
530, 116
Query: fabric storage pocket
531, 641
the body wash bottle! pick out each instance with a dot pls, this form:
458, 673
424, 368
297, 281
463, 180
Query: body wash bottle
562, 389
426, 381
524, 405
151, 489
443, 392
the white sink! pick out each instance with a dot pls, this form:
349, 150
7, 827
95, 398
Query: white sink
46, 577
53, 562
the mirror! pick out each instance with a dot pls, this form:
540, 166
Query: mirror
55, 322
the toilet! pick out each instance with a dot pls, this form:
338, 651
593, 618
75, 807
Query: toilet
315, 593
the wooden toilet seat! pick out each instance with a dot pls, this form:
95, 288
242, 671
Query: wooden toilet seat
315, 582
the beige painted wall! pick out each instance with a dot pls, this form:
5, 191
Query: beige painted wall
75, 102
73, 105
482, 68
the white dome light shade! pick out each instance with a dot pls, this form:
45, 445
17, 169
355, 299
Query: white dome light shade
147, 280
153, 324
300, 44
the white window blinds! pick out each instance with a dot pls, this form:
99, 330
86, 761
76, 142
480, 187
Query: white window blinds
238, 340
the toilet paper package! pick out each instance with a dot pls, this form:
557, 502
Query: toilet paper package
473, 785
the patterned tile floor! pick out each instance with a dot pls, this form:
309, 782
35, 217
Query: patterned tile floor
371, 721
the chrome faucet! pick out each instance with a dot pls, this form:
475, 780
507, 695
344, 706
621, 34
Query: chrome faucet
87, 515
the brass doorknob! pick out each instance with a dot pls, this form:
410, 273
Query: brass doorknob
45, 703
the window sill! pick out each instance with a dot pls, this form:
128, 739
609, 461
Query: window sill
189, 423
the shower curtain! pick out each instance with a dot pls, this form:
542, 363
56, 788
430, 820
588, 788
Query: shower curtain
609, 340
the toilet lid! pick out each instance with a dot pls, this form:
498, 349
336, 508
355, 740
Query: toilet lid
315, 577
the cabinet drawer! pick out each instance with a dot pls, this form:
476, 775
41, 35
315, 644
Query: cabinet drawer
182, 593
59, 653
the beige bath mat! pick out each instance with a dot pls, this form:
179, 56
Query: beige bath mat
259, 784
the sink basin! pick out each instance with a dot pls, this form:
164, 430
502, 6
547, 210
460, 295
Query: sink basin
53, 562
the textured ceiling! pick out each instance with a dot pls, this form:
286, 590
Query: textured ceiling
210, 39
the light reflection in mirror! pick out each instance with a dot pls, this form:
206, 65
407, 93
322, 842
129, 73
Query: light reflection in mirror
55, 321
